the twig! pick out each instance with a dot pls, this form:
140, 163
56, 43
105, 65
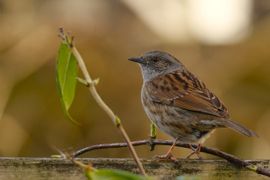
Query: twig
230, 158
98, 99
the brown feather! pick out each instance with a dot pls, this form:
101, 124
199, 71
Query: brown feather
185, 91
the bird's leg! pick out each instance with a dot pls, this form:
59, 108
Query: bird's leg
195, 151
153, 135
168, 155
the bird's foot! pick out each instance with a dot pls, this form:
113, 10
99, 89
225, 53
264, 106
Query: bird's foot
195, 151
165, 157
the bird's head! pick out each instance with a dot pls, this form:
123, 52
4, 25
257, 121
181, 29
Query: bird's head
155, 63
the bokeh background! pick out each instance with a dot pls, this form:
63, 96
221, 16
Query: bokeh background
226, 43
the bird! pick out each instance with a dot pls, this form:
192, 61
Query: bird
180, 104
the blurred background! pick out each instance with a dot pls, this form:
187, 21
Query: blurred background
226, 43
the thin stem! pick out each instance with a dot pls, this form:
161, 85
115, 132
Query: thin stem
92, 87
99, 100
230, 158
106, 108
132, 149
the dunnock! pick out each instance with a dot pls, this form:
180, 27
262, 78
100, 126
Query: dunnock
179, 104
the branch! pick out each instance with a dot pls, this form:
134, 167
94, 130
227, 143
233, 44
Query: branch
230, 158
91, 86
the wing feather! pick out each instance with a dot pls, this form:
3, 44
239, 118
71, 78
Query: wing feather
184, 90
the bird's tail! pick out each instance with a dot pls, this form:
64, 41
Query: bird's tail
238, 128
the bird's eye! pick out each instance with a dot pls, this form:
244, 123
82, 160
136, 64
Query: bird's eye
155, 60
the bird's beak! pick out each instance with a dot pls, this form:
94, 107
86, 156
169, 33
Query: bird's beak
137, 60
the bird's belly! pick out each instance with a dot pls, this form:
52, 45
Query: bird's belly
178, 123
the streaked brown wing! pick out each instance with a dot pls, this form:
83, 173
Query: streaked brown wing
187, 92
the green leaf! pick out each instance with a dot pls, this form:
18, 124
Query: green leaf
66, 78
110, 174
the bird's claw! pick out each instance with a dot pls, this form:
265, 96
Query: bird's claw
195, 151
192, 153
166, 157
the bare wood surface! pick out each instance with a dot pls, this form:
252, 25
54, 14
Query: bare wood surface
50, 168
